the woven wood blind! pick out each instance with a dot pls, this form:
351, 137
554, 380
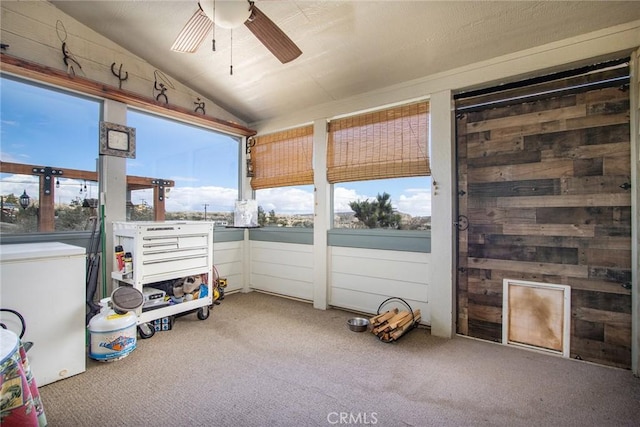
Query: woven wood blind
384, 144
283, 158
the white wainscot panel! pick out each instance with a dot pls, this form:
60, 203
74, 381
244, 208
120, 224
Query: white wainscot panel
361, 279
228, 259
368, 303
282, 268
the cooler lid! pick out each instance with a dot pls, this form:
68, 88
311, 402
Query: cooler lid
22, 251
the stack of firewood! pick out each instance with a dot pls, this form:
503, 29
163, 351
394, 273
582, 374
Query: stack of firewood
392, 324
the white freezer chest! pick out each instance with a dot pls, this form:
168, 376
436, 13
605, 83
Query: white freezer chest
45, 283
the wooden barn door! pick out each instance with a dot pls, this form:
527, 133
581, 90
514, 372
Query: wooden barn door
544, 196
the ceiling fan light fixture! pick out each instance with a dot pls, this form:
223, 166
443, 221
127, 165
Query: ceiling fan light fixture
226, 13
232, 14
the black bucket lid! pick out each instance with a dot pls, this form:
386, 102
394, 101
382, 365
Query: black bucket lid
126, 298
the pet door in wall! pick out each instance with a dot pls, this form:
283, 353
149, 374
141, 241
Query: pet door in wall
536, 315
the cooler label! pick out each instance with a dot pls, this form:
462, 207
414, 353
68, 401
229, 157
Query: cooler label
119, 344
107, 346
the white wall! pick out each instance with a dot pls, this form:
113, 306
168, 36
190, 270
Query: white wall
361, 279
228, 260
443, 198
358, 279
282, 268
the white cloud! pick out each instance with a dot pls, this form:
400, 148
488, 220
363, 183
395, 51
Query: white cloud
286, 200
184, 178
12, 158
416, 190
417, 203
180, 199
343, 196
16, 184
183, 199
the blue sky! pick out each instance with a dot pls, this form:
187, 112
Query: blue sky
48, 128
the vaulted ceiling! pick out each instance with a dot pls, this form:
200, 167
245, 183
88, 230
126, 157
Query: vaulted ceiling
349, 47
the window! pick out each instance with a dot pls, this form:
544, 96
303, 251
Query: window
286, 206
282, 166
410, 198
203, 164
379, 165
45, 127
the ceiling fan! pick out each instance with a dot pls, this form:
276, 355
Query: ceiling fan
232, 14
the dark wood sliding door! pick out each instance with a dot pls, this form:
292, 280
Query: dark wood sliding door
544, 196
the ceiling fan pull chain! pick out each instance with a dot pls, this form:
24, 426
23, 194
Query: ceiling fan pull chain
213, 40
231, 54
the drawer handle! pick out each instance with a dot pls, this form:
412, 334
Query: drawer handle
155, 245
170, 251
173, 259
175, 236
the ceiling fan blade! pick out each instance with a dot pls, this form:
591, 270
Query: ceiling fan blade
193, 33
271, 36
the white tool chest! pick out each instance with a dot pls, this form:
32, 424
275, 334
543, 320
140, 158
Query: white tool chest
166, 251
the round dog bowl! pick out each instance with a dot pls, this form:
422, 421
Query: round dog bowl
358, 324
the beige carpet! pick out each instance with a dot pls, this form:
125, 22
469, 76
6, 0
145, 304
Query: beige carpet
261, 360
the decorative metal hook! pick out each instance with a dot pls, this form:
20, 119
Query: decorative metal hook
250, 172
199, 106
161, 87
67, 56
463, 223
119, 74
69, 60
251, 142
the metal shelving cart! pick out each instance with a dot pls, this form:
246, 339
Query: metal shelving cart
163, 251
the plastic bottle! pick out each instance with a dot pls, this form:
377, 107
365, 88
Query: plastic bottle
128, 264
119, 259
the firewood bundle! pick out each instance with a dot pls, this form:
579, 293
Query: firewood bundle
392, 324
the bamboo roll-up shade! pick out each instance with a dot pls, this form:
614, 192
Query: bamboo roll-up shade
283, 158
391, 143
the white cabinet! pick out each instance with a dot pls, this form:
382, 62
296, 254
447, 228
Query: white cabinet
45, 283
164, 251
